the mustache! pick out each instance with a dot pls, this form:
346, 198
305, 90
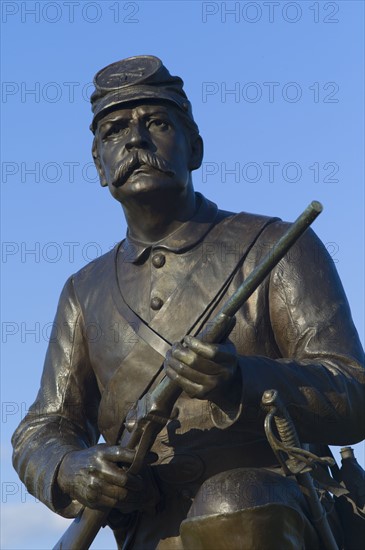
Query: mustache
137, 159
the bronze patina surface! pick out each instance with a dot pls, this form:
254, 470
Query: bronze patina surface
212, 481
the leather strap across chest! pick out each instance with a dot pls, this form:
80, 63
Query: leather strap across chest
139, 369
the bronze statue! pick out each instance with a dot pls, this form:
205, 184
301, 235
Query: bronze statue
211, 479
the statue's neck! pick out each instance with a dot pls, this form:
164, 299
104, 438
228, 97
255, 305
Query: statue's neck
154, 218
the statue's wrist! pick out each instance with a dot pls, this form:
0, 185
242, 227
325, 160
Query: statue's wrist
229, 396
64, 476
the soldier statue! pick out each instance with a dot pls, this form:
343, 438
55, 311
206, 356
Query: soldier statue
130, 317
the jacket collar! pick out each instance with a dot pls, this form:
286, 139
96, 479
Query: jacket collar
184, 238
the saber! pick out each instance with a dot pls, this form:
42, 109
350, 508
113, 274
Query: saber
289, 437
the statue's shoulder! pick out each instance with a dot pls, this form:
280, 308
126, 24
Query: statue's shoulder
98, 271
247, 223
242, 217
265, 231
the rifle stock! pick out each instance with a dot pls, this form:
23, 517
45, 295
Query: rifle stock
159, 402
83, 530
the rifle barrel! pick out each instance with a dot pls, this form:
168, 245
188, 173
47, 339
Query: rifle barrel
272, 258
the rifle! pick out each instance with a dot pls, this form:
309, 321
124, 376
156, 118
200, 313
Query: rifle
151, 413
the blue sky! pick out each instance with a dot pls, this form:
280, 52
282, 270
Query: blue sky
277, 91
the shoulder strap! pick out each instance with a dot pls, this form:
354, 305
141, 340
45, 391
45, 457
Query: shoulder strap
141, 328
140, 368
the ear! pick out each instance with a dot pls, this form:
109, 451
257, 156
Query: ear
97, 162
197, 150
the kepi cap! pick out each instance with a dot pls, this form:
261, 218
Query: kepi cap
135, 79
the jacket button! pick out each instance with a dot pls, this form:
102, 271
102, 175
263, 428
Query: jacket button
156, 303
158, 260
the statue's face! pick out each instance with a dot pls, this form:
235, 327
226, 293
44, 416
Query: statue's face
143, 149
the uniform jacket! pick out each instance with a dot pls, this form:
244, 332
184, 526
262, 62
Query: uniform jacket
295, 334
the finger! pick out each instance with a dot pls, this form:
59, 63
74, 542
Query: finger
113, 492
103, 502
195, 361
191, 388
219, 353
184, 354
134, 483
116, 476
93, 495
189, 373
116, 453
109, 473
133, 486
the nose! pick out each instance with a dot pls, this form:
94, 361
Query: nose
136, 138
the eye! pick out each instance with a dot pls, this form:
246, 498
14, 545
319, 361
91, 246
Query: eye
158, 123
116, 130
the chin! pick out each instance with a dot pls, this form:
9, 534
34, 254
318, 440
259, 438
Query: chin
144, 186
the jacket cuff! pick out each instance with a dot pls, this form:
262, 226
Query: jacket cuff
62, 503
224, 418
41, 478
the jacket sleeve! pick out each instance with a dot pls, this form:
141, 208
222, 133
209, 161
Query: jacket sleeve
319, 371
63, 417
